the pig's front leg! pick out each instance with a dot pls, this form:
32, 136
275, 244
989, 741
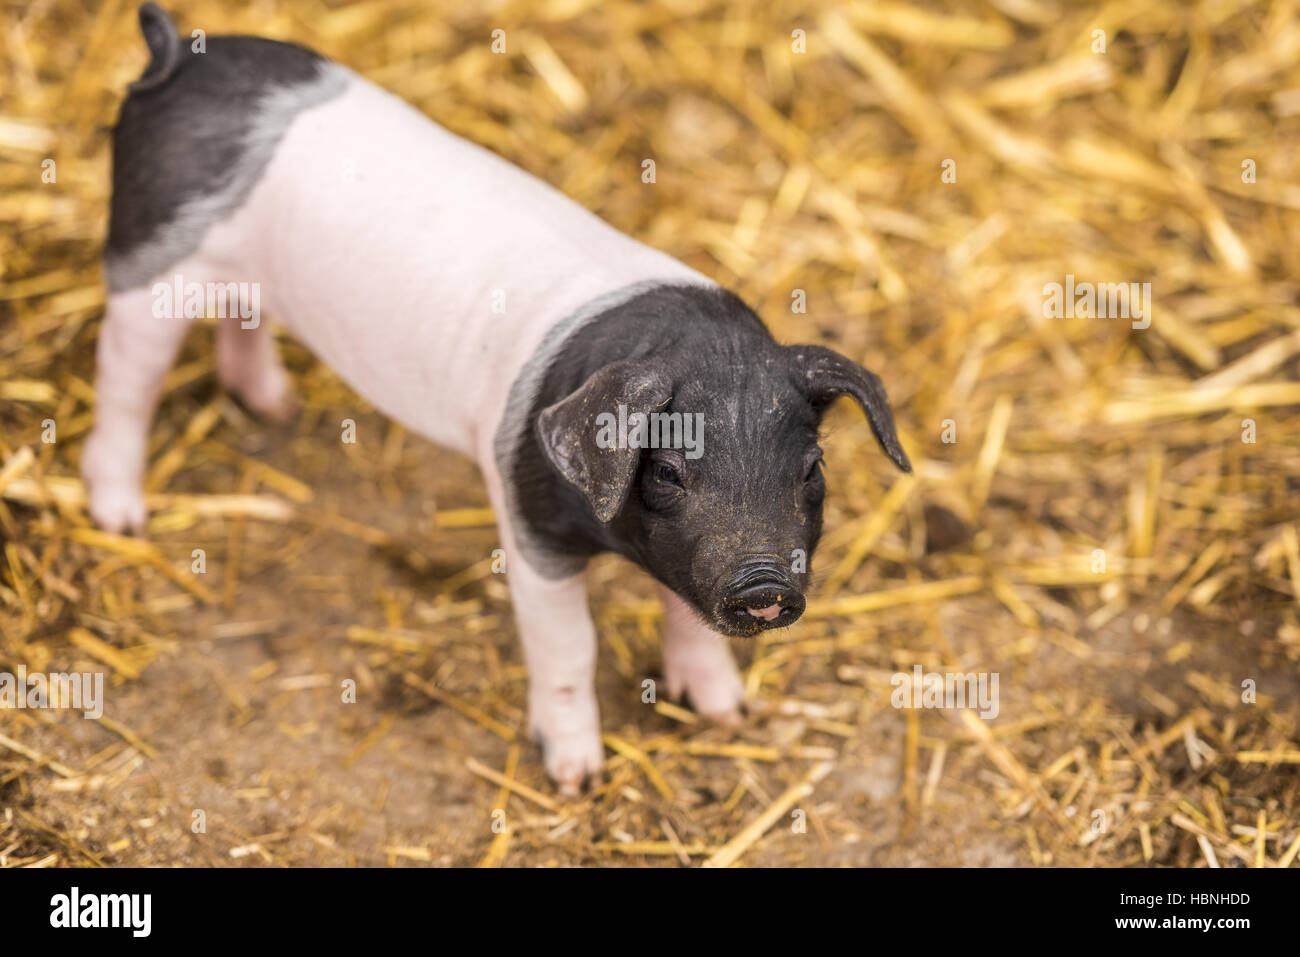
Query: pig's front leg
559, 642
698, 661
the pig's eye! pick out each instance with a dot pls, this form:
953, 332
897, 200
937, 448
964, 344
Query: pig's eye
814, 470
662, 486
667, 473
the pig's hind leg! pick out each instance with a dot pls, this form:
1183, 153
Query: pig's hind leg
248, 364
135, 351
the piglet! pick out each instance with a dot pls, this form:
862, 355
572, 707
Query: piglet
615, 399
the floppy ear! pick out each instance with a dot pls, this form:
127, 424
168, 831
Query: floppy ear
568, 431
825, 375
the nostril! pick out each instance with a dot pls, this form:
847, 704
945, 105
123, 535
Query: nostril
760, 594
773, 601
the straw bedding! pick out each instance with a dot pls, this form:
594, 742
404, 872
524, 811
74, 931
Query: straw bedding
1106, 516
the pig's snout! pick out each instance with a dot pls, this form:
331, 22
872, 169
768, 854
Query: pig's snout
762, 595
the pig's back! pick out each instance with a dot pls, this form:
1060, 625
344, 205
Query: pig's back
423, 268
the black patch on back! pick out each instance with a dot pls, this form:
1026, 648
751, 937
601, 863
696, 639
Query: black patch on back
184, 138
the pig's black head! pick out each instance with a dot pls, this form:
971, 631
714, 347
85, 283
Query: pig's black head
727, 516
